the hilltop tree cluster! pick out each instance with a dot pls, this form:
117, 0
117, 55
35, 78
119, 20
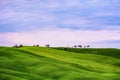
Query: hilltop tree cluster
82, 46
18, 46
47, 45
36, 45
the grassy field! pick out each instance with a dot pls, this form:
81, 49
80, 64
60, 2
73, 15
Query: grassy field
40, 63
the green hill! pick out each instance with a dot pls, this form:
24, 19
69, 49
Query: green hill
40, 63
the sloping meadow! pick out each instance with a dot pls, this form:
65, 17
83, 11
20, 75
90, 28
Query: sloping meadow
40, 63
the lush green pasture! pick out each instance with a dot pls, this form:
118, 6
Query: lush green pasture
39, 63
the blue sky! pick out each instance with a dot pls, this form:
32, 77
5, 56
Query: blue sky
60, 22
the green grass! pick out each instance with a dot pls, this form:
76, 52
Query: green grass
40, 63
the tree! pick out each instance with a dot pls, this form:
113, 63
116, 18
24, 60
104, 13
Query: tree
84, 46
80, 46
15, 46
21, 45
88, 46
37, 45
75, 46
47, 45
33, 45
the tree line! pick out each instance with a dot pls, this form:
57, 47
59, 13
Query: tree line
37, 45
48, 45
82, 46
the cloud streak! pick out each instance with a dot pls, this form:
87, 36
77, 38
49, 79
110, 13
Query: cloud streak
62, 37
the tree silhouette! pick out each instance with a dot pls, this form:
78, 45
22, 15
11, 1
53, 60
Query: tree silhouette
47, 45
88, 46
37, 45
75, 46
85, 46
15, 46
20, 45
80, 46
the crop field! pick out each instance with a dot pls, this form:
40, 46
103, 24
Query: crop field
41, 63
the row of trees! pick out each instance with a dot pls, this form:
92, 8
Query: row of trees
18, 46
48, 45
36, 45
82, 46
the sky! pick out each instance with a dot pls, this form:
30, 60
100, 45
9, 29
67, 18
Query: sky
60, 22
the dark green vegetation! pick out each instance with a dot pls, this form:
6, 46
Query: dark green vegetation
39, 63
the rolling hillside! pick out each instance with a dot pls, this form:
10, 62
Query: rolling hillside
40, 63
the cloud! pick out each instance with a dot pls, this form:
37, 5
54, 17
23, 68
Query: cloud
73, 14
61, 37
